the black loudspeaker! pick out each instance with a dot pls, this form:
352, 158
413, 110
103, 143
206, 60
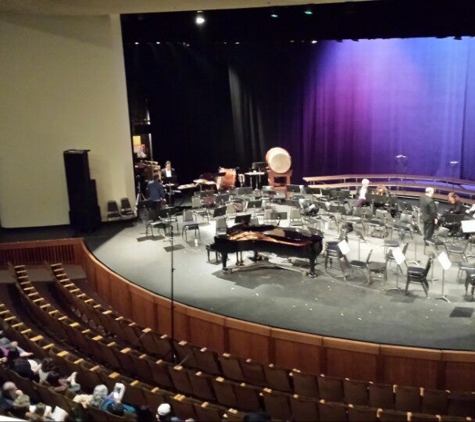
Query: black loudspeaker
84, 211
76, 164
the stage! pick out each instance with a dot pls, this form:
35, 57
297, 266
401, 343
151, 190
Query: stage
325, 305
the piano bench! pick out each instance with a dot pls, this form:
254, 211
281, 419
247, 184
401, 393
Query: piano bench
211, 248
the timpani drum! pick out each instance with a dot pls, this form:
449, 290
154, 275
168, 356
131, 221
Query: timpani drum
228, 181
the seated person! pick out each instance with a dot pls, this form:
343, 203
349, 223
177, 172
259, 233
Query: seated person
113, 405
455, 208
381, 190
361, 194
8, 395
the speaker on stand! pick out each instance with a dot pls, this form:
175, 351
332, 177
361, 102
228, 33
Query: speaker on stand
84, 211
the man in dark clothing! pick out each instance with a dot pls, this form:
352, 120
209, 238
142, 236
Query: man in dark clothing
428, 213
156, 192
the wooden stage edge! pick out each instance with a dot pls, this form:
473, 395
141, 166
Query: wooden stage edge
398, 184
428, 368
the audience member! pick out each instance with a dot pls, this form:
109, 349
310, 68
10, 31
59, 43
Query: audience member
8, 395
113, 405
21, 406
38, 415
61, 384
164, 414
98, 396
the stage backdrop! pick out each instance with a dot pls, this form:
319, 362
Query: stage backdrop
337, 107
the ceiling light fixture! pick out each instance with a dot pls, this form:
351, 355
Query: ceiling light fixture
200, 19
308, 11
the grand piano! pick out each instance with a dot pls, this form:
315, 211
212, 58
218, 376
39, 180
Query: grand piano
285, 242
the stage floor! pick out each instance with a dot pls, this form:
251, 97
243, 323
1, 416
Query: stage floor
325, 305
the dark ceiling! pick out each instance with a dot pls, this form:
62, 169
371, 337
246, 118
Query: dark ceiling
353, 20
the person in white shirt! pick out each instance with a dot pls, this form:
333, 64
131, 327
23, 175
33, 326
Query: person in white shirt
168, 171
361, 194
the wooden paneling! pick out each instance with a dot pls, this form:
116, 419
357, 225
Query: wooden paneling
459, 370
411, 366
207, 328
142, 306
297, 350
249, 340
352, 359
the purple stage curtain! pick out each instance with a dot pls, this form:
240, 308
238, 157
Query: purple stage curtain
369, 101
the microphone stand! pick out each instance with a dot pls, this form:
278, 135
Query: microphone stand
172, 297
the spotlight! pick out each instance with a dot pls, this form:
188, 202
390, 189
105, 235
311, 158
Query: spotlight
136, 43
200, 19
274, 15
314, 41
308, 11
158, 42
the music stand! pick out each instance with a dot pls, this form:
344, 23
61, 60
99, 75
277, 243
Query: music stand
446, 264
219, 211
169, 183
360, 237
244, 219
399, 258
468, 227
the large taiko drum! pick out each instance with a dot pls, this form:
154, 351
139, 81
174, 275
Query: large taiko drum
228, 181
278, 160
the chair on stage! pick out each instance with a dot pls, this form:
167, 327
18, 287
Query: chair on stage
333, 253
198, 209
221, 226
404, 225
419, 275
295, 218
439, 240
113, 213
126, 210
458, 249
188, 224
391, 258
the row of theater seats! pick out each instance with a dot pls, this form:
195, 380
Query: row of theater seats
308, 388
90, 374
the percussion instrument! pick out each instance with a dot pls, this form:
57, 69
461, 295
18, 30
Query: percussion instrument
278, 160
187, 186
228, 180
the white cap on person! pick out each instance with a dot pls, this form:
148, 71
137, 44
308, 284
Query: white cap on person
164, 409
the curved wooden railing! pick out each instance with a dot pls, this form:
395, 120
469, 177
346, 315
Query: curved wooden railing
428, 368
401, 185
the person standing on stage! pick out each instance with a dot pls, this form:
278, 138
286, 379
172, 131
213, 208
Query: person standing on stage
168, 171
156, 192
428, 213
361, 194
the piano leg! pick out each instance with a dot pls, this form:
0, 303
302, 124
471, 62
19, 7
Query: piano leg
224, 258
313, 259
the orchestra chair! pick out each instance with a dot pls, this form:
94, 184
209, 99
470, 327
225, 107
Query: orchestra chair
439, 240
230, 210
408, 399
378, 268
362, 413
378, 222
458, 249
113, 213
333, 253
356, 264
126, 210
405, 223
295, 218
419, 275
329, 411
198, 209
355, 392
391, 256
470, 280
221, 226
304, 409
188, 224
270, 216
356, 218
463, 267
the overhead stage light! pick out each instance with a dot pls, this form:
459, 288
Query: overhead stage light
200, 19
308, 11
